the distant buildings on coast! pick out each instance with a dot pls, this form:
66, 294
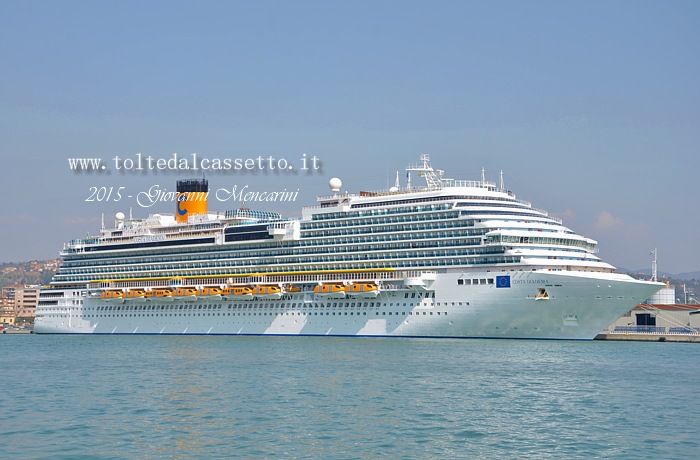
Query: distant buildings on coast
20, 284
18, 303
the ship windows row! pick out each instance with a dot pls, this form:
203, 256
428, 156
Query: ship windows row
380, 205
376, 220
417, 249
402, 251
426, 295
474, 281
261, 250
497, 204
224, 258
397, 227
254, 305
290, 313
396, 263
534, 216
544, 240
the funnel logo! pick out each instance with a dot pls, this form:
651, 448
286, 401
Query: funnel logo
181, 211
191, 204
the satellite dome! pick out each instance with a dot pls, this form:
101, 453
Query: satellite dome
335, 184
120, 216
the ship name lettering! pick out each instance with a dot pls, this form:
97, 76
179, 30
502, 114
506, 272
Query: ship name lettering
537, 281
149, 238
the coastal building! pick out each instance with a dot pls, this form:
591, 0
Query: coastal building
659, 319
7, 309
19, 302
660, 316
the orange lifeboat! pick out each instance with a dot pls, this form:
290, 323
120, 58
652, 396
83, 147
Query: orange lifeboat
138, 295
330, 290
112, 295
186, 292
237, 292
210, 293
162, 294
268, 291
362, 290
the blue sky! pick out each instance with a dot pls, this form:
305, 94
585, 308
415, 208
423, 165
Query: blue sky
591, 109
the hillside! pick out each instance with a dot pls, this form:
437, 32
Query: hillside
33, 272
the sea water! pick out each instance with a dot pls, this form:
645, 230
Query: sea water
152, 397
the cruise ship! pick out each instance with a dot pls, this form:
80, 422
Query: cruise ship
446, 258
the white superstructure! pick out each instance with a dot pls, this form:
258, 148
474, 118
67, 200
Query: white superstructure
451, 258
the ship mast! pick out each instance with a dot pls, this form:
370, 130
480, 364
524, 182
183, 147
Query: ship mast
432, 178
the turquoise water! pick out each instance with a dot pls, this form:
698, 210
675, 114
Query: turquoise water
101, 397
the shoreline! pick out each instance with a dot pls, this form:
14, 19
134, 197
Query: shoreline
648, 337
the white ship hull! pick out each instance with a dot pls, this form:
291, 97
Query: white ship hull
454, 258
577, 306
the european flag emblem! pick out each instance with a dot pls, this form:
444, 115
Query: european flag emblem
503, 281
